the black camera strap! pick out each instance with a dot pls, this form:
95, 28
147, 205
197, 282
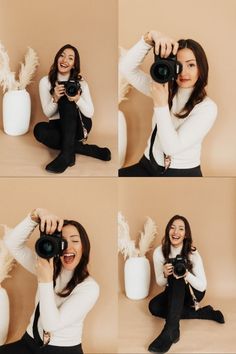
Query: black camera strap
167, 159
37, 338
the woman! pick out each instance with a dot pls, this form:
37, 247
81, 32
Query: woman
185, 284
69, 110
66, 292
183, 114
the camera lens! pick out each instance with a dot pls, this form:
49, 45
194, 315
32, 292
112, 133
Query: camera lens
180, 269
72, 89
162, 73
47, 247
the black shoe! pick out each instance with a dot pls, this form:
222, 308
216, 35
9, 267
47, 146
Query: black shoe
60, 163
164, 341
95, 151
208, 313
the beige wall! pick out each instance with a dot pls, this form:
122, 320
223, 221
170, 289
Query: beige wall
209, 204
93, 202
212, 23
46, 26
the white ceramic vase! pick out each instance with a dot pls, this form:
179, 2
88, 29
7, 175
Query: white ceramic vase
4, 315
16, 112
137, 277
122, 138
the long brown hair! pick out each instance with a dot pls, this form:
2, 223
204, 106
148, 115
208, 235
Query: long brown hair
81, 271
75, 72
187, 248
199, 92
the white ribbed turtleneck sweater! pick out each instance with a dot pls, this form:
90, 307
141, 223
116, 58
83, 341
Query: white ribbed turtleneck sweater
179, 138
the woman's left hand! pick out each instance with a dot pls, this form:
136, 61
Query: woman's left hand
160, 94
74, 98
44, 269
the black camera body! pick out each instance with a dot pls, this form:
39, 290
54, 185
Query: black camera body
179, 265
72, 87
165, 69
48, 246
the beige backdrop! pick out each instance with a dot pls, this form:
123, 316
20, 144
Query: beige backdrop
93, 202
212, 23
46, 26
210, 206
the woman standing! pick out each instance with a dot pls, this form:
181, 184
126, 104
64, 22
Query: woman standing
185, 284
66, 292
66, 101
183, 113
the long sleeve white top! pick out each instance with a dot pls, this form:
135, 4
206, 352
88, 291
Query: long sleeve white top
62, 317
50, 108
179, 138
196, 278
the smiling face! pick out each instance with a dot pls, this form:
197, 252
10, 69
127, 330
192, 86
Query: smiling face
66, 61
177, 233
72, 255
190, 73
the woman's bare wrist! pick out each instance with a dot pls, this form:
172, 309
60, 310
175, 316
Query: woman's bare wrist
148, 39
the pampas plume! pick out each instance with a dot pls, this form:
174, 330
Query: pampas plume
6, 260
126, 246
123, 85
147, 236
7, 78
28, 69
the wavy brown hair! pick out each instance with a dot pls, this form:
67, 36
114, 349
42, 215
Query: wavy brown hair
187, 248
75, 72
81, 271
199, 92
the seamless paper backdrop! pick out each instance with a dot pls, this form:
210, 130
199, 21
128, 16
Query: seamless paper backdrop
212, 23
89, 25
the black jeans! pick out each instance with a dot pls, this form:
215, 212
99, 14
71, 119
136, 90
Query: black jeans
175, 302
55, 134
144, 168
27, 345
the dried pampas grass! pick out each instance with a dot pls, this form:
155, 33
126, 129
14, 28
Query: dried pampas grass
126, 245
123, 85
147, 237
7, 78
6, 260
28, 69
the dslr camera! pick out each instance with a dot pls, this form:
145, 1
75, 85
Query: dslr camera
72, 87
48, 246
180, 265
165, 69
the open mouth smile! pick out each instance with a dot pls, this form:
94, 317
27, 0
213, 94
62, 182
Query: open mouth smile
68, 257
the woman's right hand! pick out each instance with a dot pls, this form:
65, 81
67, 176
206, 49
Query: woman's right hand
59, 91
167, 269
48, 222
164, 44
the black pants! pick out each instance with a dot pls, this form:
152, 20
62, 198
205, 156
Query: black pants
56, 133
144, 168
27, 345
176, 301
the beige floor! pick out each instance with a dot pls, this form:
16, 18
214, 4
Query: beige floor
24, 156
137, 329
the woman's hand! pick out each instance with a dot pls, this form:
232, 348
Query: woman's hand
74, 98
167, 269
160, 94
59, 91
44, 270
48, 222
164, 44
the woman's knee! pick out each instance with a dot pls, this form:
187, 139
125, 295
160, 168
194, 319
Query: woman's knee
156, 308
40, 130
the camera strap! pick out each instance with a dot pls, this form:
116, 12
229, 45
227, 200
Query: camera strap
167, 158
37, 338
196, 304
85, 132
